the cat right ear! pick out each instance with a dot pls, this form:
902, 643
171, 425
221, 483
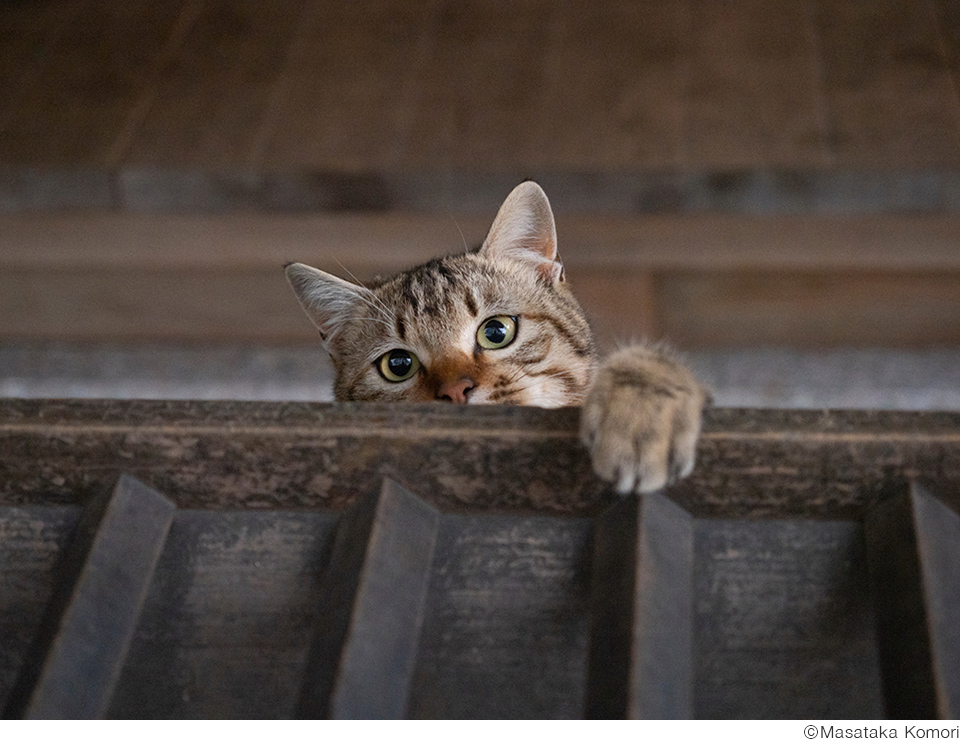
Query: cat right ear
524, 231
329, 301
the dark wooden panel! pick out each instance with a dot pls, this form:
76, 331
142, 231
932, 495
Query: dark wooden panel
459, 117
92, 617
99, 69
948, 18
226, 626
887, 84
753, 97
341, 100
211, 95
32, 540
641, 642
902, 626
611, 91
274, 455
506, 628
372, 607
181, 303
809, 308
784, 622
938, 541
30, 32
914, 547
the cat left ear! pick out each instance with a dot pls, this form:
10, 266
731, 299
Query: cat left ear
524, 231
329, 301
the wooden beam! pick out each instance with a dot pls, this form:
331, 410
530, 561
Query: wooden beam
215, 455
92, 618
914, 544
938, 542
362, 660
641, 649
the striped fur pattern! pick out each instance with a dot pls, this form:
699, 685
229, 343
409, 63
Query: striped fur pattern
499, 325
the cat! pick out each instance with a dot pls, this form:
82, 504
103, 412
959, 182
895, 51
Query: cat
499, 325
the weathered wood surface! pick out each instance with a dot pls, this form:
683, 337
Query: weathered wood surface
227, 623
704, 280
783, 621
913, 540
82, 643
936, 514
274, 455
369, 87
372, 608
791, 576
32, 538
641, 640
506, 632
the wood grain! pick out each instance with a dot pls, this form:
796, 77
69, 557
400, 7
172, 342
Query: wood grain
309, 456
371, 609
752, 93
211, 94
887, 83
809, 309
91, 620
93, 79
611, 91
337, 102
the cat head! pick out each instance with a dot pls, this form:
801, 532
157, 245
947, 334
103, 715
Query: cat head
497, 325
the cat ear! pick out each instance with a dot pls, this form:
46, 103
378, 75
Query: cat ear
524, 231
327, 300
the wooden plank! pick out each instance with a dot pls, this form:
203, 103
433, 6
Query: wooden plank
611, 95
621, 305
93, 79
938, 544
238, 455
226, 626
701, 282
809, 309
641, 648
752, 89
948, 25
914, 544
30, 32
507, 618
891, 99
361, 662
203, 112
161, 304
367, 243
32, 540
91, 620
337, 103
783, 621
902, 627
461, 120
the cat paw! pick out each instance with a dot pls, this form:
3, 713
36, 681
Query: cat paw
641, 420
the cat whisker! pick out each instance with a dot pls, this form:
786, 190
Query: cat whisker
369, 318
466, 248
509, 393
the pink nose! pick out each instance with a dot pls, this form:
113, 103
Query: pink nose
456, 391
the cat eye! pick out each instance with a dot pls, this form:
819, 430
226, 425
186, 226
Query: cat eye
497, 332
398, 365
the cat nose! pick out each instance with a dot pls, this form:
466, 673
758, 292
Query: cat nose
456, 391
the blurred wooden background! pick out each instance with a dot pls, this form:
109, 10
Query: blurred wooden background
747, 172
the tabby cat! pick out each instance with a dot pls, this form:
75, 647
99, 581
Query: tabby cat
499, 325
